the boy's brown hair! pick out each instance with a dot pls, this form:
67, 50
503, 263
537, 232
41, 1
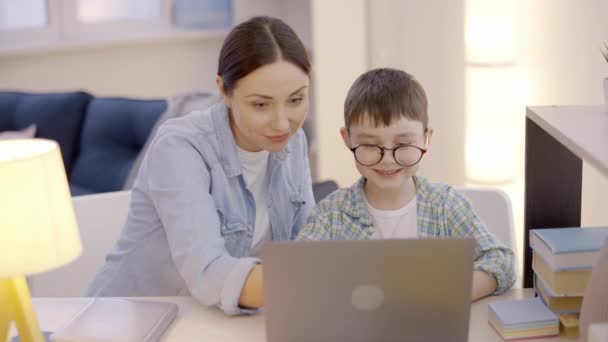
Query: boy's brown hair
384, 95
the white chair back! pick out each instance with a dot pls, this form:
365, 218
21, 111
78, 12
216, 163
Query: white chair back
493, 207
100, 218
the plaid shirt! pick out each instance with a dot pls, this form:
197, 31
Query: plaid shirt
442, 212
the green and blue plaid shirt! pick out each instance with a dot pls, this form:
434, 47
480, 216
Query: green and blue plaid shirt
442, 212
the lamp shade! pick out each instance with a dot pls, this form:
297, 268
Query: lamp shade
38, 229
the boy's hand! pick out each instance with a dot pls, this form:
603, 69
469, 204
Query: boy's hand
252, 296
483, 285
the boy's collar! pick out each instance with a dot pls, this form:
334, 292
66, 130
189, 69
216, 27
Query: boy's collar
358, 206
422, 187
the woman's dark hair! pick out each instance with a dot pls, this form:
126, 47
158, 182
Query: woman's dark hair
255, 43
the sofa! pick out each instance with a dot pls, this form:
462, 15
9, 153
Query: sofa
100, 137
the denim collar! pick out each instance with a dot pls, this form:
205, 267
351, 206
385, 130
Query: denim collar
228, 155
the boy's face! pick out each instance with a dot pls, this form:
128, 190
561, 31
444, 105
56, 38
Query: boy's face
387, 174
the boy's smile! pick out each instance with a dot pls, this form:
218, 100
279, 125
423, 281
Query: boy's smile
388, 173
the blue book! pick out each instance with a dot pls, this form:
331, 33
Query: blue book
522, 318
568, 248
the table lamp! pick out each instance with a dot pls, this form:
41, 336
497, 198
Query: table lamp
38, 230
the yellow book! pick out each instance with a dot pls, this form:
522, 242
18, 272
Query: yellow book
568, 325
558, 304
561, 282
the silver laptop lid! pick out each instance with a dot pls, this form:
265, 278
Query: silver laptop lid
372, 290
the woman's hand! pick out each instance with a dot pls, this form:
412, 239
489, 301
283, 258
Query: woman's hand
483, 285
252, 296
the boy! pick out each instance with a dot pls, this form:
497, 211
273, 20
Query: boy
386, 120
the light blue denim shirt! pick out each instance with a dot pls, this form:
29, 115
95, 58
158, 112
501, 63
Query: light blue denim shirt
191, 218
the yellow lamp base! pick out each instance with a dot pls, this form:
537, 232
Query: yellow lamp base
16, 305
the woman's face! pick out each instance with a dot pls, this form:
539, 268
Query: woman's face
268, 106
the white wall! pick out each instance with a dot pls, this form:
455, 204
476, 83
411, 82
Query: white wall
146, 70
339, 31
561, 53
426, 39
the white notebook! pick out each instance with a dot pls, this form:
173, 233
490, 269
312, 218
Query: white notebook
118, 320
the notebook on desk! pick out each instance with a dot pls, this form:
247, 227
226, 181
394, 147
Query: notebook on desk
522, 318
118, 320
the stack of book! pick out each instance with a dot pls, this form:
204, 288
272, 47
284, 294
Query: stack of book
562, 259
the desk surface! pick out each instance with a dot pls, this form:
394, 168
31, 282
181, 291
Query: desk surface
581, 129
209, 324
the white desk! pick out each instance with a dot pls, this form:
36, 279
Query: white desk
581, 129
206, 324
558, 140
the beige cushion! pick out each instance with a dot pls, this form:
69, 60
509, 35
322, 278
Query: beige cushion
177, 106
27, 133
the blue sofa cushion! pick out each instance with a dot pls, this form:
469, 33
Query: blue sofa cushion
113, 133
76, 190
57, 116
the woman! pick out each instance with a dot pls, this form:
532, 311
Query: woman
215, 185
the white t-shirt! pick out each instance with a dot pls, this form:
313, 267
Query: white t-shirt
257, 178
395, 224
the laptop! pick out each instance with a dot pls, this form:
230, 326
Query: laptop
371, 290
